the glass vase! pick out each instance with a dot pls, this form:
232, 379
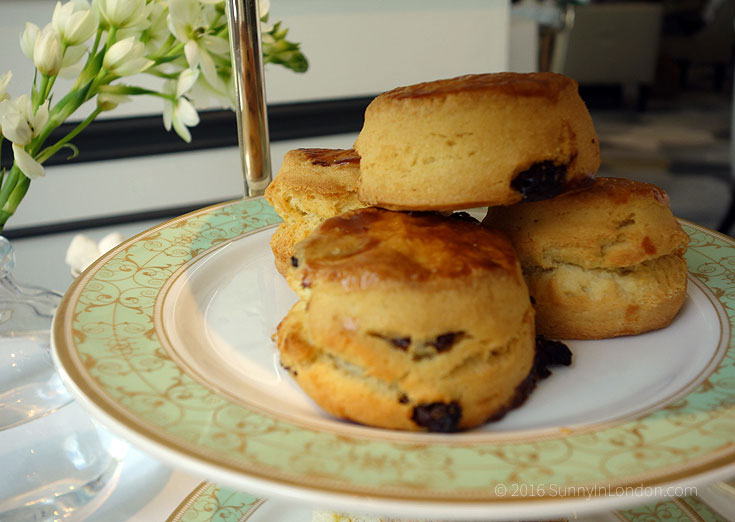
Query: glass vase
29, 384
56, 462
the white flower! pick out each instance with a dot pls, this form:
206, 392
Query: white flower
28, 39
20, 125
18, 121
30, 167
122, 13
48, 52
179, 112
16, 128
187, 22
74, 21
186, 81
126, 57
83, 250
158, 29
4, 81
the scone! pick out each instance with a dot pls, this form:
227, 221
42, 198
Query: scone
602, 261
409, 321
311, 186
476, 140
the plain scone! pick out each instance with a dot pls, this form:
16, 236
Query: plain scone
603, 261
311, 186
476, 140
409, 321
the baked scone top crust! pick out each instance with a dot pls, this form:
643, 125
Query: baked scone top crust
611, 223
546, 85
304, 170
371, 246
476, 140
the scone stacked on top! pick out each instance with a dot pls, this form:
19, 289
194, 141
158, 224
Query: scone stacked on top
311, 186
414, 320
601, 261
474, 141
409, 321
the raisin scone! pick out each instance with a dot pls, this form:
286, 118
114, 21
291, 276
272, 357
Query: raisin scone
311, 186
602, 261
476, 140
409, 321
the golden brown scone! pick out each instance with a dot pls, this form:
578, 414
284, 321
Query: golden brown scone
409, 321
476, 140
311, 186
602, 261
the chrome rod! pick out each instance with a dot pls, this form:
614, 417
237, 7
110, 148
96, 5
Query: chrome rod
247, 66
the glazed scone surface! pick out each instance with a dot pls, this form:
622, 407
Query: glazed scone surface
475, 140
312, 185
602, 261
409, 321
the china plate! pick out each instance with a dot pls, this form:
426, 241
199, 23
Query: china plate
167, 340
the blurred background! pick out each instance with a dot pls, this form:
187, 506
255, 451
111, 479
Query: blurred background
657, 77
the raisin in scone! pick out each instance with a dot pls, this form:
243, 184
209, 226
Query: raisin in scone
602, 261
311, 186
476, 140
409, 321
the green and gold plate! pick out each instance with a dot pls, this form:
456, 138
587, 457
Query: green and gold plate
167, 340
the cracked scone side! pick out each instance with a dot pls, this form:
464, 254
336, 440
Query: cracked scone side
312, 185
603, 261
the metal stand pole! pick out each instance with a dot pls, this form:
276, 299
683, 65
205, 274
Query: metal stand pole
252, 121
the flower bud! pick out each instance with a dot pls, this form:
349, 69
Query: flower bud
47, 52
107, 101
28, 39
75, 22
126, 57
122, 13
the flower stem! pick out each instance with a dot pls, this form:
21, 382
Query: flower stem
16, 196
40, 94
7, 208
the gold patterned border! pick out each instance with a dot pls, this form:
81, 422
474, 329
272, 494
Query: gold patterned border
209, 502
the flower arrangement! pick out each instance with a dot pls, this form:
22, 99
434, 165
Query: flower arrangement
184, 43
